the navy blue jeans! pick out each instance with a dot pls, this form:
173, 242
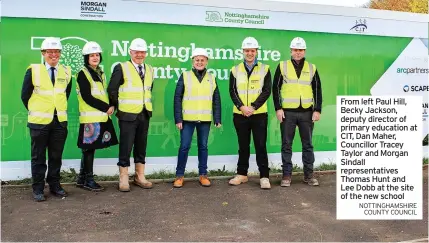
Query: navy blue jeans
203, 129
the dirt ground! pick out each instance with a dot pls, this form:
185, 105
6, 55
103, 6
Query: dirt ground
194, 213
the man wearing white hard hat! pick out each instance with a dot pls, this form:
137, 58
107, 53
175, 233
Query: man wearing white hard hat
249, 88
196, 105
96, 129
297, 95
130, 90
45, 94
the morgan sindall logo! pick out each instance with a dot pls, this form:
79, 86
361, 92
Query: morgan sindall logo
360, 26
71, 54
213, 16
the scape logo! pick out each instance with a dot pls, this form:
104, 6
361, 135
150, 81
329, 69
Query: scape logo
71, 55
406, 88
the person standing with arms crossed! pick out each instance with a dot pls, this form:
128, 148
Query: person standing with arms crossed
297, 95
130, 89
249, 88
45, 92
96, 129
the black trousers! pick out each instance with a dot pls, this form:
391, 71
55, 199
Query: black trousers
305, 126
53, 138
255, 125
133, 134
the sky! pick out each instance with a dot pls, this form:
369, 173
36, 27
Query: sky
345, 3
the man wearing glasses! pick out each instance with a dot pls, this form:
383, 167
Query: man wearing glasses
45, 93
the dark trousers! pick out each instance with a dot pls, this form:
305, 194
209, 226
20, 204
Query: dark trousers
255, 125
53, 138
87, 163
203, 131
305, 126
133, 134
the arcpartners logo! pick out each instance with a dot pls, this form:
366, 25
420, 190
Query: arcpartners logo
93, 9
360, 26
416, 88
71, 54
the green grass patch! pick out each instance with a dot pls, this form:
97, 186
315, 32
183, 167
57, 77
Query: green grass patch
71, 175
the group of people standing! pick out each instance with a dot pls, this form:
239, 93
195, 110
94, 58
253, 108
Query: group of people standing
197, 104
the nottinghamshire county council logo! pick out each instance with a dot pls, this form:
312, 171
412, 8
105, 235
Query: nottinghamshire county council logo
213, 16
71, 55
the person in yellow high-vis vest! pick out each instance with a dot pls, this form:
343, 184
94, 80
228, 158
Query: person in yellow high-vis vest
297, 95
45, 92
130, 90
249, 88
197, 104
96, 129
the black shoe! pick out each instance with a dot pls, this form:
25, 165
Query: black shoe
58, 191
39, 197
91, 185
80, 181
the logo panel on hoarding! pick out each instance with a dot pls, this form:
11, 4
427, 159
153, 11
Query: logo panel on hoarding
360, 26
236, 18
93, 9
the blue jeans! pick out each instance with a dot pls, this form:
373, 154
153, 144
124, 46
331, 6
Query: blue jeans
186, 134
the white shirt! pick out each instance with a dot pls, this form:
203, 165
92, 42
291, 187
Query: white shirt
137, 67
48, 68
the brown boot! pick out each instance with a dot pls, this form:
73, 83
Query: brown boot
139, 178
124, 186
204, 180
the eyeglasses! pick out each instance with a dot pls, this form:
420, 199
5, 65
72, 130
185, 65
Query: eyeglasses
52, 52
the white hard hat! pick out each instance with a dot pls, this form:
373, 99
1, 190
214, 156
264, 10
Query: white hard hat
298, 43
91, 47
51, 43
199, 52
249, 43
138, 44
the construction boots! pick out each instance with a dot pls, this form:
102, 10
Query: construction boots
238, 179
178, 182
139, 178
124, 185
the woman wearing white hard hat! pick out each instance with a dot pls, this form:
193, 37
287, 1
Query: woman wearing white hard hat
297, 95
96, 130
197, 104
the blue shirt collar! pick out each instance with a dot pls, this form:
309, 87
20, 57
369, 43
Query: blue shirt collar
253, 64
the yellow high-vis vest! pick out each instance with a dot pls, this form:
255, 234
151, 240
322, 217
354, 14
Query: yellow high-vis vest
134, 94
87, 113
198, 97
46, 97
297, 90
250, 88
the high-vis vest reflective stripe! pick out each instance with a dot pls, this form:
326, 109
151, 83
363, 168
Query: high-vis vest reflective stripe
47, 97
296, 90
134, 94
87, 113
198, 97
250, 88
